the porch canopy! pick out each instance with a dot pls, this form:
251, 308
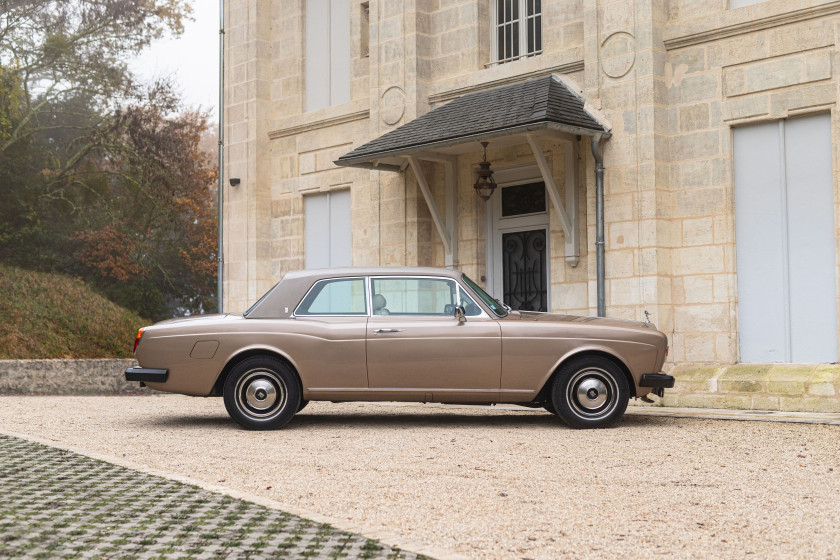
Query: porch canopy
527, 112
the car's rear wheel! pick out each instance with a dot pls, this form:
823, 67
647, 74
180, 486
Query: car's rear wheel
590, 392
262, 393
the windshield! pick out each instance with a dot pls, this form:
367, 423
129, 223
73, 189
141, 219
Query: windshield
495, 305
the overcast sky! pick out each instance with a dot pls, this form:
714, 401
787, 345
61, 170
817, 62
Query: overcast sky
193, 58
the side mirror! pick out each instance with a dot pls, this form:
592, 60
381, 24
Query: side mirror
460, 314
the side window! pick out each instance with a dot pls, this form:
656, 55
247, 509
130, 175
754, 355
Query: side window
342, 296
471, 308
414, 296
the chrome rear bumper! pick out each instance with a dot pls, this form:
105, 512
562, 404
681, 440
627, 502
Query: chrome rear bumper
146, 375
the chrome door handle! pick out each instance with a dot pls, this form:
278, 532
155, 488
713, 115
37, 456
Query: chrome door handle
377, 331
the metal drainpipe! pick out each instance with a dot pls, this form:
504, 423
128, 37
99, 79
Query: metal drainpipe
220, 272
599, 223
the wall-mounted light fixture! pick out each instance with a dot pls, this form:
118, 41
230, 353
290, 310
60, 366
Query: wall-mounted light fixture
484, 184
234, 181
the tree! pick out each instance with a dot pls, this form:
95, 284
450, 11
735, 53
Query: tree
101, 176
61, 49
156, 229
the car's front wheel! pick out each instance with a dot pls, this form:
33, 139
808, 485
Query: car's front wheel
262, 393
590, 392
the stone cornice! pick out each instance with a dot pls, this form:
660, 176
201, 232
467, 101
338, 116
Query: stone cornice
449, 95
710, 28
315, 125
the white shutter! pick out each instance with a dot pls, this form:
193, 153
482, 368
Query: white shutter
317, 53
340, 234
741, 3
317, 230
327, 52
339, 51
327, 233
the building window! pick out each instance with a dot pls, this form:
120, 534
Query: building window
516, 29
785, 241
327, 51
327, 229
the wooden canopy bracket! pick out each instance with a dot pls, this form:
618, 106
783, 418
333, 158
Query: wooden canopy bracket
568, 214
446, 230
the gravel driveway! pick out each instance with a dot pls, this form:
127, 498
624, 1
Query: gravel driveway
491, 483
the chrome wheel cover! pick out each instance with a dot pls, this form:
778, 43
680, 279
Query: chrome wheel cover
592, 393
260, 394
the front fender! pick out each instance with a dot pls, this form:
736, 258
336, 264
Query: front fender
635, 364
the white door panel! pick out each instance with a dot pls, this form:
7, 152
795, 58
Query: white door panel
811, 241
784, 226
762, 316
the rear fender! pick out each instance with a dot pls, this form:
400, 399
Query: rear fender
247, 352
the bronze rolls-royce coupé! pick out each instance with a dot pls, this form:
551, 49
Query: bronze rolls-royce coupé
400, 334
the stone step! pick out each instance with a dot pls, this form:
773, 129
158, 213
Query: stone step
784, 387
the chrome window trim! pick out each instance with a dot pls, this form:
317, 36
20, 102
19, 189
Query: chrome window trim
369, 288
312, 287
423, 277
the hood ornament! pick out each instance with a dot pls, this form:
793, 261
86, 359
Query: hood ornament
647, 318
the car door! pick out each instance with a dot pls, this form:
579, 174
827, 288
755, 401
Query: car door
416, 347
327, 339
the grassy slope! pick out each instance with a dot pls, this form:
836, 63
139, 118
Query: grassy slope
54, 316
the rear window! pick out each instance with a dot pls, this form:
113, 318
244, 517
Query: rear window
339, 296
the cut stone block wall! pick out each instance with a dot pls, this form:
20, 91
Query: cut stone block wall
67, 377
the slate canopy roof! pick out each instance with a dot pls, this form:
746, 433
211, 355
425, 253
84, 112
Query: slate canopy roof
540, 103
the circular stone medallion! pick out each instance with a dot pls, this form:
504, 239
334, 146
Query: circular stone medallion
392, 105
618, 52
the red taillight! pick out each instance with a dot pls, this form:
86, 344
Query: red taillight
137, 339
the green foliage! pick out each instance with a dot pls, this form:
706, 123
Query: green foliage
55, 316
11, 97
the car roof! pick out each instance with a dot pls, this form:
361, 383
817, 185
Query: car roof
372, 271
285, 296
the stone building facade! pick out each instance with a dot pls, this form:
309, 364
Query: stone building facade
722, 125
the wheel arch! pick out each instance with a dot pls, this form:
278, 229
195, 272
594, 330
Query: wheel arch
545, 391
218, 386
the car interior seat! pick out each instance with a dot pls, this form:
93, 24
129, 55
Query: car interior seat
379, 303
471, 310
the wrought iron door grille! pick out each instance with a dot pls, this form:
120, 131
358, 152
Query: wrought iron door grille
525, 282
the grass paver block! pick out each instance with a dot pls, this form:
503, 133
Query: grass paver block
57, 504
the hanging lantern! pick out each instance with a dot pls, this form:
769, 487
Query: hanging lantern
484, 184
